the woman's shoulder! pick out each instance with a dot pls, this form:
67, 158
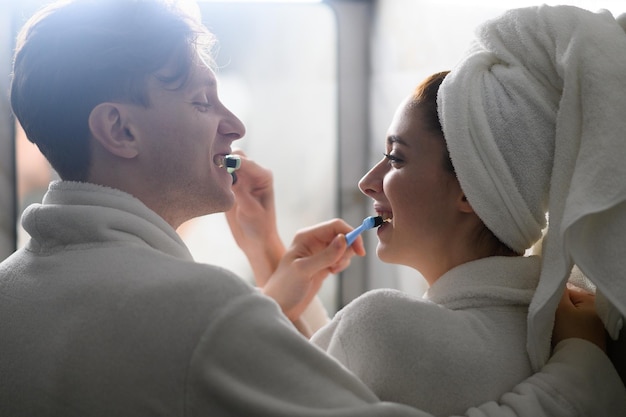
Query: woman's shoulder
389, 304
383, 320
387, 295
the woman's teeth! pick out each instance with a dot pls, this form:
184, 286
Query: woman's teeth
386, 216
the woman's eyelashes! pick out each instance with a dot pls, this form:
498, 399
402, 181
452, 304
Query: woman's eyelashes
393, 160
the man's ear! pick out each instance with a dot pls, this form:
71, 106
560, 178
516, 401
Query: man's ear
108, 123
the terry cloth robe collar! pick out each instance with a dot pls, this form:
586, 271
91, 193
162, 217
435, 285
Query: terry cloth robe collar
102, 214
487, 285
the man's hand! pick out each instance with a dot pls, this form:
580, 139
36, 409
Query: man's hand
315, 253
292, 277
576, 317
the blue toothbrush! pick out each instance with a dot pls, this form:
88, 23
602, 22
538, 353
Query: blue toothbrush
368, 223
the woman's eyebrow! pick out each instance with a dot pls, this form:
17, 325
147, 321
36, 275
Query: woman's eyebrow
396, 139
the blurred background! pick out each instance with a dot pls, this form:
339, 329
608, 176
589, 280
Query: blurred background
316, 84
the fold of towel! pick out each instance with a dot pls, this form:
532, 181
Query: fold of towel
535, 121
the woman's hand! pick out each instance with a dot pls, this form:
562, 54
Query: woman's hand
252, 220
576, 317
315, 253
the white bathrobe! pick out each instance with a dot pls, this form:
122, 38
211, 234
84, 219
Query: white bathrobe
104, 313
466, 343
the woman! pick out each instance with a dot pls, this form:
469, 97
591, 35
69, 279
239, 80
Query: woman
465, 343
471, 350
511, 119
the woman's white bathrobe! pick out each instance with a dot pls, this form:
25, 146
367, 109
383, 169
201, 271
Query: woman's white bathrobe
104, 313
464, 344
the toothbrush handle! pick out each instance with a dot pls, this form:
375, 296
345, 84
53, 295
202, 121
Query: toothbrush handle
351, 236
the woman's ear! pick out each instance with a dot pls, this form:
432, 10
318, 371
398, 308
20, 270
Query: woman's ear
464, 205
108, 123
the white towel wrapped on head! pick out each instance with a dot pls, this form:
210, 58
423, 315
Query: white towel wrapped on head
535, 121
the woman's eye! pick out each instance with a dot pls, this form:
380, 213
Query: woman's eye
392, 159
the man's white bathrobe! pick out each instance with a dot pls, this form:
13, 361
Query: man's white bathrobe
104, 313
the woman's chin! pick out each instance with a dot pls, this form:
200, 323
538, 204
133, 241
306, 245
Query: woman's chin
383, 253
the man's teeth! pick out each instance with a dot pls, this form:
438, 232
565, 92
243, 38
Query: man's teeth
219, 161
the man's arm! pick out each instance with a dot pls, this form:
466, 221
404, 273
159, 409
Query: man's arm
252, 362
579, 380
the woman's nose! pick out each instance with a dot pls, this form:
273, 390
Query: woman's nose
371, 183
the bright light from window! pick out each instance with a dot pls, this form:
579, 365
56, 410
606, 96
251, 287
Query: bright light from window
614, 6
259, 1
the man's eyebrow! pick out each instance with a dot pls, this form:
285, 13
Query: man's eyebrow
209, 82
204, 82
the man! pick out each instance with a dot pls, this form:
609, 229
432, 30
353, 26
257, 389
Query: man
104, 311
